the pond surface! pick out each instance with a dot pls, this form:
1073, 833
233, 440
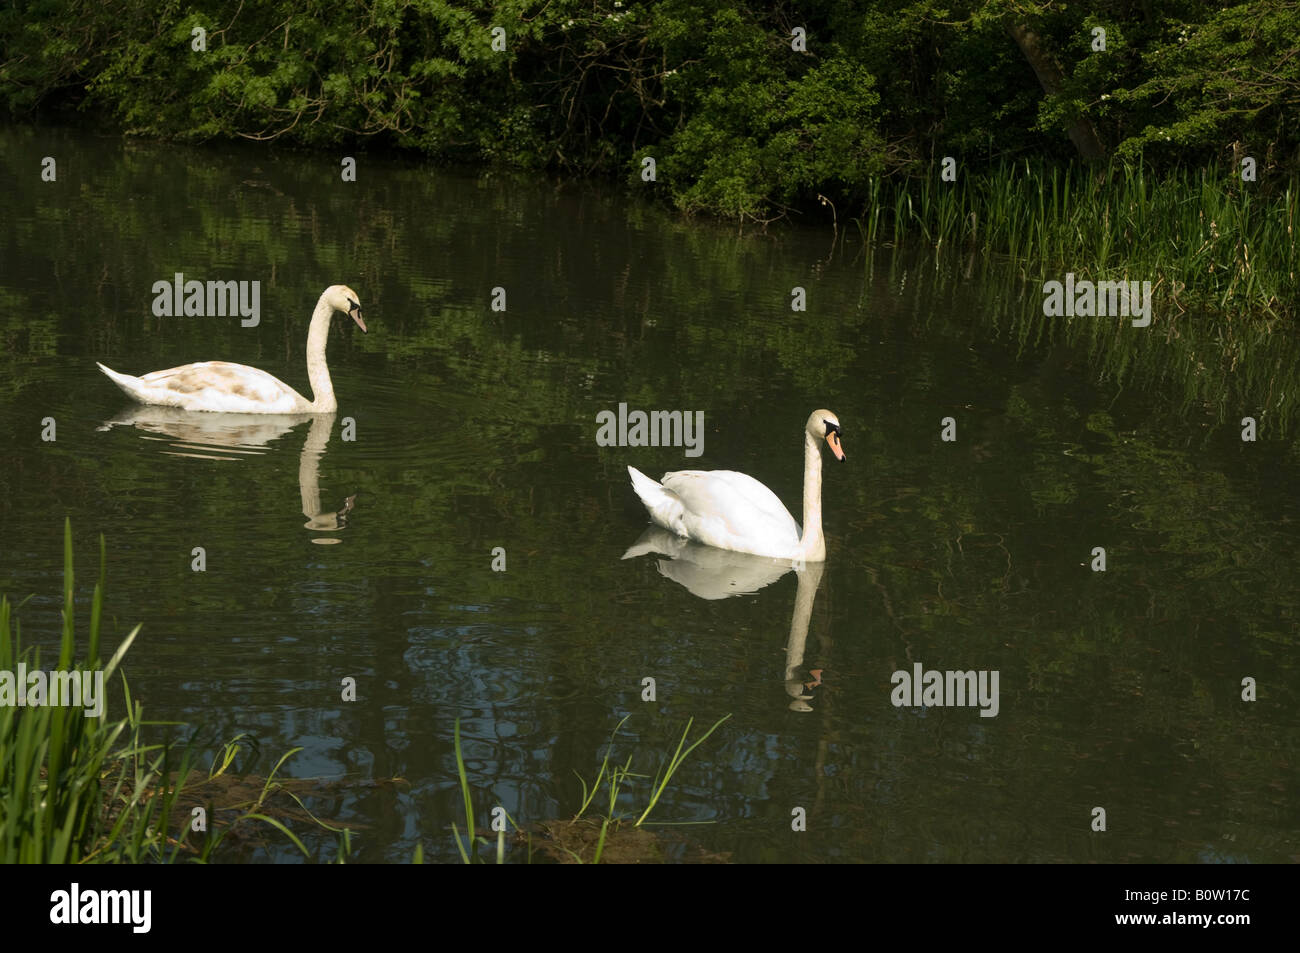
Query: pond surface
474, 428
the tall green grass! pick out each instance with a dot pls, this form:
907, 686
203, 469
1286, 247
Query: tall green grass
1204, 238
75, 789
92, 790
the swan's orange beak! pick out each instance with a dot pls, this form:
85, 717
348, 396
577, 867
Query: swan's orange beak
355, 314
833, 440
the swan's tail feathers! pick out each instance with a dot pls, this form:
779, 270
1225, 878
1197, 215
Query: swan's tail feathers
664, 505
645, 487
124, 381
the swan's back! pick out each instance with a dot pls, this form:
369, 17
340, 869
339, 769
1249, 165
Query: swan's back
215, 386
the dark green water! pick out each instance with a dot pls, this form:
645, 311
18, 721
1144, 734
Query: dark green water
476, 429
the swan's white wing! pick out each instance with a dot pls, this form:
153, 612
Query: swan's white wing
733, 511
213, 385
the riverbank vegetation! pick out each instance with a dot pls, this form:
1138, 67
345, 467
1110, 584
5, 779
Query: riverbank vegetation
79, 787
615, 837
1148, 140
1205, 242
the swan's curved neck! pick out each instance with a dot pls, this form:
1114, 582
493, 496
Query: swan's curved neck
812, 546
322, 388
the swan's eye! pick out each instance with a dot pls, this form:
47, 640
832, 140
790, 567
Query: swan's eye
354, 305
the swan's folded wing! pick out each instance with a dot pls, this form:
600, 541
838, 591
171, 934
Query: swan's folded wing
221, 385
735, 504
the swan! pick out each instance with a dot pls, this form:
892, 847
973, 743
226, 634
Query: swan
734, 511
220, 386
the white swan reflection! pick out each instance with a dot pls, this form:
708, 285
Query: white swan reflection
218, 436
710, 573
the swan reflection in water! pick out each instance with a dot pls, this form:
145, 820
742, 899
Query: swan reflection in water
217, 436
711, 573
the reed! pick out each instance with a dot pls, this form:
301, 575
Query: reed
1208, 240
592, 841
669, 768
77, 789
469, 845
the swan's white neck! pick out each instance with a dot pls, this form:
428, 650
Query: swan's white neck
322, 388
812, 546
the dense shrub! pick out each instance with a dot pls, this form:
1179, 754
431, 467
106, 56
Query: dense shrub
740, 123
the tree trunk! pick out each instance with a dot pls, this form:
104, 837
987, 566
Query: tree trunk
1082, 133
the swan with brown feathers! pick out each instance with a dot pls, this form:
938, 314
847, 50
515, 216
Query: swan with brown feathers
223, 387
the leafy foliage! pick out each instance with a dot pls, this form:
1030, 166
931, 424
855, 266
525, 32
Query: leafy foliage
740, 121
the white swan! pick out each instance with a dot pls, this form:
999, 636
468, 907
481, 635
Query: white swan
236, 388
734, 511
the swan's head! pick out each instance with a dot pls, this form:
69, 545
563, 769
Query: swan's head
342, 298
823, 425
